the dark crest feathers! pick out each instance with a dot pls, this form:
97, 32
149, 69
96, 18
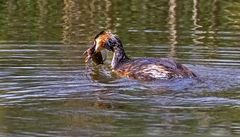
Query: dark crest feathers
99, 34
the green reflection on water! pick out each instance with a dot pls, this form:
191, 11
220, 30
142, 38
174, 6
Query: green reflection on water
30, 21
89, 117
73, 21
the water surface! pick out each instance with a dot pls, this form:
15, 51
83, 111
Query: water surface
46, 89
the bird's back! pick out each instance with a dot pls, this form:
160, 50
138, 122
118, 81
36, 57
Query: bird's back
153, 68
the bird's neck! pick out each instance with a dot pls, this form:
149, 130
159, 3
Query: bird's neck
119, 56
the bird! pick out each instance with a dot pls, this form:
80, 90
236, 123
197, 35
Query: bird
145, 68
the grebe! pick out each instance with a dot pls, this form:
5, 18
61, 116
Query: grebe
142, 68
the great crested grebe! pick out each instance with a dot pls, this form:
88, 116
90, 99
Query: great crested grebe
141, 68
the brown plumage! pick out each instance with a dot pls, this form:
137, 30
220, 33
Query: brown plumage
153, 68
142, 68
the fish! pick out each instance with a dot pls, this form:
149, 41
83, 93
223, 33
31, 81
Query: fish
96, 57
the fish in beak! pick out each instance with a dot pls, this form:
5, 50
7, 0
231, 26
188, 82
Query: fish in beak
103, 40
91, 54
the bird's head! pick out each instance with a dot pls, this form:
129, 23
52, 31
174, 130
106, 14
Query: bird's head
103, 40
106, 40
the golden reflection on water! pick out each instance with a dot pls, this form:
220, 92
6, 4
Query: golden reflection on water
73, 21
195, 17
82, 21
172, 27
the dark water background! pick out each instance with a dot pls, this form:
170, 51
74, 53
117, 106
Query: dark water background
47, 90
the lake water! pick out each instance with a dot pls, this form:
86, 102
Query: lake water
46, 89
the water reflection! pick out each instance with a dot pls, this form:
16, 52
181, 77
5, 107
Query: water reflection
172, 27
81, 19
82, 117
33, 20
195, 17
46, 86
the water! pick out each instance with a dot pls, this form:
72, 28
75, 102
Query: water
46, 89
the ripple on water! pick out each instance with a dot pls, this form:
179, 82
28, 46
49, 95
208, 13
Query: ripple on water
62, 81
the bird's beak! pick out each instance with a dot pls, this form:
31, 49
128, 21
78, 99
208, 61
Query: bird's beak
98, 48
